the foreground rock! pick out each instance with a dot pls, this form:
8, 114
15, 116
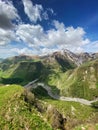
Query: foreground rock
55, 118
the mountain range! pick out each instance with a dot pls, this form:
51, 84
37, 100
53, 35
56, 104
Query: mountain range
72, 74
68, 74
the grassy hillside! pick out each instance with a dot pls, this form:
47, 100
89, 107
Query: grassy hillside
77, 115
80, 82
14, 67
16, 113
56, 71
23, 69
20, 110
22, 72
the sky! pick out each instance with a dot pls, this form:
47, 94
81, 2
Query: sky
40, 27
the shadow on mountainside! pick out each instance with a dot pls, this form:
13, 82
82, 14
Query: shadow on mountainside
65, 64
42, 93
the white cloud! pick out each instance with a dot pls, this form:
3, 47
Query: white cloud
46, 51
23, 51
57, 38
7, 8
6, 51
34, 36
30, 34
58, 26
65, 36
32, 11
92, 47
7, 13
6, 36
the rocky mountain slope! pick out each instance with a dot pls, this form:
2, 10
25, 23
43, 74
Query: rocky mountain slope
75, 58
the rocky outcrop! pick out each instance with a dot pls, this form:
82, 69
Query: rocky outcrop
84, 57
55, 118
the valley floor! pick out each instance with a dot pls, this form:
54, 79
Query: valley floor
34, 85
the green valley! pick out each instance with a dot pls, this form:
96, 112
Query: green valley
32, 92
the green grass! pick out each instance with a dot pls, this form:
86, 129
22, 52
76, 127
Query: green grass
75, 113
7, 91
81, 82
62, 81
87, 127
16, 114
22, 72
6, 73
96, 85
81, 112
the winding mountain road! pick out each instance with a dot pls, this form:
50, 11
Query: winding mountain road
33, 84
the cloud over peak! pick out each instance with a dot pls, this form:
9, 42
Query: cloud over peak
37, 38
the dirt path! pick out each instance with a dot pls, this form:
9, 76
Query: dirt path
62, 98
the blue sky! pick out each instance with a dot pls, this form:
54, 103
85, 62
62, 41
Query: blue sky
37, 27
